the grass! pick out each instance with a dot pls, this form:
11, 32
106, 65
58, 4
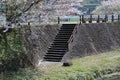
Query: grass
102, 63
86, 68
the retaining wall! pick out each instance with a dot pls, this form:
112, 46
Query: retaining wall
37, 40
89, 39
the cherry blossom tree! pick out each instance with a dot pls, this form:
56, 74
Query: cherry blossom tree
108, 7
51, 9
27, 10
20, 11
15, 8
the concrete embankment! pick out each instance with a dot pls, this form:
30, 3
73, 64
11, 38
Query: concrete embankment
37, 39
89, 39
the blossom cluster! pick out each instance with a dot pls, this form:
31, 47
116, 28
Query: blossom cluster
35, 10
108, 7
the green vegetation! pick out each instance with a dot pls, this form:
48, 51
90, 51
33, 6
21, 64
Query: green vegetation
11, 50
69, 20
10, 44
86, 68
22, 74
75, 20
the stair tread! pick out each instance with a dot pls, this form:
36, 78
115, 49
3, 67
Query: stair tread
55, 54
60, 47
64, 33
57, 50
52, 60
62, 37
66, 30
66, 36
60, 44
61, 41
52, 57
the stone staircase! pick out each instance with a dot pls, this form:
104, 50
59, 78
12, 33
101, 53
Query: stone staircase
60, 44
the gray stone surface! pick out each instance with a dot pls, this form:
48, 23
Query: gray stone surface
88, 39
67, 57
95, 38
37, 40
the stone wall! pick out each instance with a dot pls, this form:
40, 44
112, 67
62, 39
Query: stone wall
89, 39
37, 40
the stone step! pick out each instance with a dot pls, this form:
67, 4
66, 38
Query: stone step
68, 30
57, 48
50, 48
61, 40
64, 32
56, 51
51, 57
61, 47
52, 60
63, 35
60, 44
67, 26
